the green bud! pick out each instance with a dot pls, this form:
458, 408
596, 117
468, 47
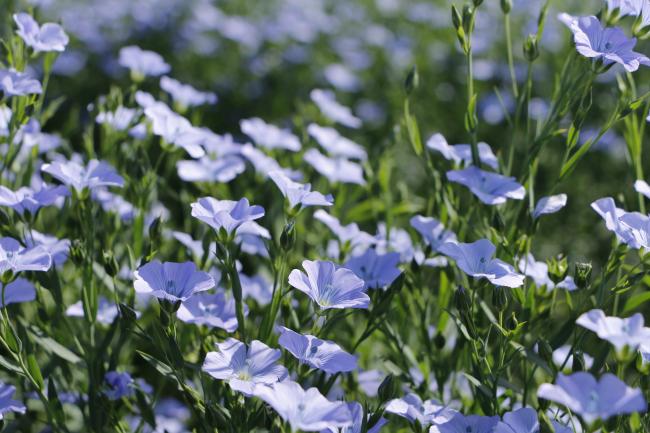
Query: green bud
642, 365
155, 231
477, 3
578, 361
512, 322
500, 298
506, 6
388, 389
288, 236
583, 274
531, 48
110, 263
76, 252
468, 26
456, 18
412, 80
558, 268
545, 351
7, 277
462, 300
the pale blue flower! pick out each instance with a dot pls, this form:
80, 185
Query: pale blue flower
609, 44
414, 409
304, 410
206, 169
264, 164
335, 169
349, 234
107, 311
244, 367
171, 281
73, 174
120, 119
433, 232
549, 205
7, 403
356, 410
334, 111
490, 188
476, 259
58, 248
48, 37
214, 311
330, 286
639, 228
460, 423
618, 331
18, 291
369, 381
186, 95
376, 270
30, 200
256, 287
269, 136
174, 129
16, 258
299, 195
642, 187
14, 83
462, 153
561, 353
225, 214
141, 62
114, 203
119, 384
522, 420
335, 144
594, 399
606, 208
320, 354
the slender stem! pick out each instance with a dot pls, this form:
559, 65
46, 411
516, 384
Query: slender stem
511, 63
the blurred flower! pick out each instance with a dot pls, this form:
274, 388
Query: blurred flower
114, 203
120, 384
433, 232
462, 153
326, 102
549, 205
18, 291
639, 227
73, 174
256, 287
594, 399
16, 258
48, 37
376, 270
304, 410
606, 208
264, 164
214, 311
561, 353
468, 423
119, 120
620, 332
414, 409
225, 214
335, 144
243, 366
186, 95
335, 169
106, 311
522, 420
7, 403
269, 136
298, 194
171, 281
330, 286
642, 187
349, 234
538, 271
141, 62
27, 199
356, 410
609, 44
490, 188
14, 83
174, 128
222, 170
321, 354
475, 259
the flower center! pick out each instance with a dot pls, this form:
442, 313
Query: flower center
608, 45
592, 404
326, 294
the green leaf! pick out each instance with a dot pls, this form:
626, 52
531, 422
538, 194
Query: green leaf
35, 371
53, 347
636, 301
162, 368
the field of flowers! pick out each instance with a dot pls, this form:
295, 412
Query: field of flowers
242, 216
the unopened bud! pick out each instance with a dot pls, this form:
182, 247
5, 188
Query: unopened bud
583, 274
412, 80
468, 25
545, 351
558, 268
506, 6
155, 231
388, 389
578, 361
456, 17
499, 298
512, 322
461, 300
288, 236
531, 48
76, 252
110, 264
439, 341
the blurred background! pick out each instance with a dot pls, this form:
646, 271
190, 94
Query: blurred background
262, 58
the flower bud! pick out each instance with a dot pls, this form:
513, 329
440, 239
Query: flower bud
155, 231
462, 300
439, 341
76, 252
499, 298
583, 274
388, 389
456, 18
558, 268
545, 351
531, 48
110, 264
288, 236
468, 26
512, 322
412, 80
642, 364
506, 6
477, 3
